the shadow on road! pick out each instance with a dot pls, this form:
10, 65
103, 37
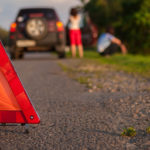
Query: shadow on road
39, 57
103, 132
22, 132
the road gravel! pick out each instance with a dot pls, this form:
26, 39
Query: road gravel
74, 119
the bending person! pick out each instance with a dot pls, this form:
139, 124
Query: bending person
108, 44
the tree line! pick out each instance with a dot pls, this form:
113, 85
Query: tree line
4, 36
130, 18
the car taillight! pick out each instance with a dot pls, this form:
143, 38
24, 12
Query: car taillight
13, 27
60, 26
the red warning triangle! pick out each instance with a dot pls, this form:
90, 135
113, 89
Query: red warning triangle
15, 106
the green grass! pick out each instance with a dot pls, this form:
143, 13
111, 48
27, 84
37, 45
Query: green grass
65, 68
148, 130
73, 73
130, 132
83, 80
136, 64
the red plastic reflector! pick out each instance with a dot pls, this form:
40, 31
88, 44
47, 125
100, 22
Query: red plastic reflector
7, 99
15, 106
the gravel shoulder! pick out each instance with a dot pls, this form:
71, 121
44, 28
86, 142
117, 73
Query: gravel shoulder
122, 100
75, 118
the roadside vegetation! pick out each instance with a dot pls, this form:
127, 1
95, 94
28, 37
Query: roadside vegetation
130, 132
93, 67
148, 130
85, 73
134, 64
129, 18
4, 36
92, 72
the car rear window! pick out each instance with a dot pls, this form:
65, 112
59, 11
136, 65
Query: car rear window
48, 13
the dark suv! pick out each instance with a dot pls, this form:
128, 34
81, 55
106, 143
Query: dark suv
36, 29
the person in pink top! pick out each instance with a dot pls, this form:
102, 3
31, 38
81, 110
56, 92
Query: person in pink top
75, 33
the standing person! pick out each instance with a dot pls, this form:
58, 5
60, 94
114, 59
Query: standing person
75, 33
108, 44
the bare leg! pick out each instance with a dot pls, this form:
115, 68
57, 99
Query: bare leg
80, 47
123, 49
73, 50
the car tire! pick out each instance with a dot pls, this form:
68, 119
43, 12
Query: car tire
60, 51
61, 55
16, 54
36, 28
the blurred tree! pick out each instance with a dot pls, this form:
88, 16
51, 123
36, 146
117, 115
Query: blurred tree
104, 12
3, 36
131, 19
136, 25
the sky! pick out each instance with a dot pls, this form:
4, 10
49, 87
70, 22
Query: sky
10, 8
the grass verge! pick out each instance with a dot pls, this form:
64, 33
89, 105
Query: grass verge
135, 64
83, 75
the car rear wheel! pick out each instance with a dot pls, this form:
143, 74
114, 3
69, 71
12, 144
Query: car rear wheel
60, 49
16, 54
61, 55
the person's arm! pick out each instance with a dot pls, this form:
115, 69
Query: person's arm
118, 42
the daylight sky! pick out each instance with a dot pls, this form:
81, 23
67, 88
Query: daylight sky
9, 8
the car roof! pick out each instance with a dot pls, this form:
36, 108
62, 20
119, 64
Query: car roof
36, 8
32, 10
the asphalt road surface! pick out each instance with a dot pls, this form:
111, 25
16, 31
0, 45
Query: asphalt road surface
71, 117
